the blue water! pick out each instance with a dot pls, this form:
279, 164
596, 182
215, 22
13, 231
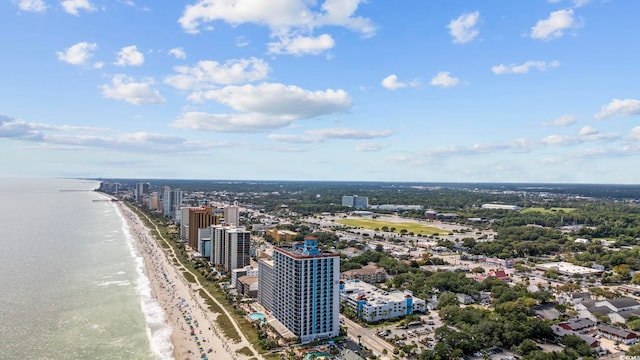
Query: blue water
257, 316
73, 285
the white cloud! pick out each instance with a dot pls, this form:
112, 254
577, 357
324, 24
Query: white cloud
524, 68
554, 26
77, 54
129, 56
580, 3
78, 138
263, 107
279, 15
619, 107
98, 65
127, 89
391, 82
463, 29
241, 41
301, 45
208, 73
587, 131
444, 79
369, 146
289, 18
563, 120
634, 134
231, 123
38, 6
178, 53
72, 6
279, 99
320, 135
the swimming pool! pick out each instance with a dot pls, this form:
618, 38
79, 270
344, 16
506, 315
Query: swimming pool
258, 316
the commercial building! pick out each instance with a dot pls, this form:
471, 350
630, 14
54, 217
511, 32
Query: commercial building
171, 201
266, 283
370, 273
238, 273
355, 201
301, 290
372, 304
565, 268
501, 207
230, 247
232, 214
140, 190
199, 218
280, 235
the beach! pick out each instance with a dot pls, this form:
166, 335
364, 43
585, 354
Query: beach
195, 334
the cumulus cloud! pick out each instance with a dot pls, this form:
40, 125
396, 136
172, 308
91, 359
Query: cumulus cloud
129, 56
73, 6
564, 120
207, 73
77, 54
279, 16
634, 134
619, 107
280, 99
301, 45
554, 26
391, 82
263, 107
293, 22
321, 135
178, 53
525, 67
38, 6
127, 89
464, 28
444, 79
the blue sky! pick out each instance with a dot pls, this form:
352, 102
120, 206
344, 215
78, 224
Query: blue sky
412, 90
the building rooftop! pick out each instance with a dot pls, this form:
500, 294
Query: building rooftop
375, 295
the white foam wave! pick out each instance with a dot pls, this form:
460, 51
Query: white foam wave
115, 282
158, 330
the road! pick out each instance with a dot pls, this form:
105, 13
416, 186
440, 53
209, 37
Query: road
367, 338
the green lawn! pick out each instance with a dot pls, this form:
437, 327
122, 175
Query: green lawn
378, 224
548, 211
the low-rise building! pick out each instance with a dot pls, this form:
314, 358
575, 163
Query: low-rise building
248, 286
372, 304
370, 273
617, 334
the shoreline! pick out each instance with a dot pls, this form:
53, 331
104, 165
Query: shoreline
193, 331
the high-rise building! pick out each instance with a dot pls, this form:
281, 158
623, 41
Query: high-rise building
305, 290
355, 201
140, 190
230, 247
232, 214
199, 218
171, 201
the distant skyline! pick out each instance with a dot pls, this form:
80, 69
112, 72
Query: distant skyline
345, 90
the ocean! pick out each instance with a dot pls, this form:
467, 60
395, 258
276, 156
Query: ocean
72, 284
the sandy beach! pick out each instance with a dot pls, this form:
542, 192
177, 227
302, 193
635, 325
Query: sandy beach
195, 334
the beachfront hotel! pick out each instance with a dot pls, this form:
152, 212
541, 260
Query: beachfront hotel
228, 248
199, 218
300, 288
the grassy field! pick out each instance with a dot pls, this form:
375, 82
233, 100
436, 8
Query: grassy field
378, 224
548, 211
